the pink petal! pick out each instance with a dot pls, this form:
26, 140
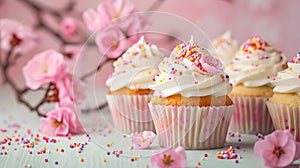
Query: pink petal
69, 26
279, 138
178, 156
47, 127
62, 130
289, 152
143, 140
270, 159
109, 36
211, 64
45, 67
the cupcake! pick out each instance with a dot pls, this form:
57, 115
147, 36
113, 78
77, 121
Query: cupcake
253, 67
190, 106
129, 93
224, 47
284, 105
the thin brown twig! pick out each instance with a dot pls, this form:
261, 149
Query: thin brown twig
42, 25
20, 92
100, 107
98, 68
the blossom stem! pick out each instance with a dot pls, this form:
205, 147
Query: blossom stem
98, 68
18, 92
100, 107
156, 5
39, 11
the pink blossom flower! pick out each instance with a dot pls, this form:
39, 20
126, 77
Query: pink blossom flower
44, 67
115, 9
143, 140
211, 64
135, 25
11, 30
106, 12
94, 20
68, 26
278, 149
60, 122
70, 88
170, 158
111, 41
72, 51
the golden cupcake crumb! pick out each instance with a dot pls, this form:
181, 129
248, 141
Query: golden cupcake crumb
260, 91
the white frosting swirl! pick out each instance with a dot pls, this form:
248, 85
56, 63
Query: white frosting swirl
255, 64
135, 68
288, 81
224, 47
187, 74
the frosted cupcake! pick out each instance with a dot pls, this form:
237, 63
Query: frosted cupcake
284, 105
129, 93
254, 66
224, 47
190, 106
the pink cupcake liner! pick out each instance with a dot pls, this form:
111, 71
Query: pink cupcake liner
286, 117
130, 113
191, 127
251, 115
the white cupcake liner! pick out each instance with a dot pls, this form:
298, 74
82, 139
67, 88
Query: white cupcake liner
286, 117
191, 127
130, 113
251, 115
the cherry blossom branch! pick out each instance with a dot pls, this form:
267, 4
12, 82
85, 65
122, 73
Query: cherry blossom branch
100, 107
98, 68
39, 11
156, 5
5, 66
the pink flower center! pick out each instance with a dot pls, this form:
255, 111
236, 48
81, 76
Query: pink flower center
117, 14
57, 123
167, 160
278, 151
15, 40
114, 45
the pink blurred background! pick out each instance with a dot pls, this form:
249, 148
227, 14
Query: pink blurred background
276, 21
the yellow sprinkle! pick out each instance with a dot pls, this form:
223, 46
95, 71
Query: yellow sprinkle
104, 160
198, 163
134, 158
44, 148
290, 68
56, 149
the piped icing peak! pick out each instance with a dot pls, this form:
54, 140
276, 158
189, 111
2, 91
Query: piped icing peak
224, 47
288, 80
135, 68
198, 57
256, 43
190, 71
255, 64
224, 38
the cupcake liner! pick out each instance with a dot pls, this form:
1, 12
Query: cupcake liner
286, 117
130, 113
191, 127
251, 115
